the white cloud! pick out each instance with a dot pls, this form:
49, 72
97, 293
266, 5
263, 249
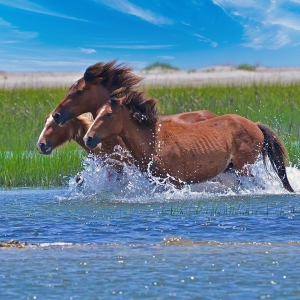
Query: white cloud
258, 40
3, 23
87, 50
129, 8
166, 57
10, 33
133, 46
288, 22
48, 63
267, 24
33, 7
26, 34
206, 40
9, 42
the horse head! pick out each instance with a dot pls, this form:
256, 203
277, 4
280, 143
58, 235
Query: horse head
83, 96
93, 90
52, 136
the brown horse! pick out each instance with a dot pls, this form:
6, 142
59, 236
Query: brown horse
53, 136
93, 90
186, 153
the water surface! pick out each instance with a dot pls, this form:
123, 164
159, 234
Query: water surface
128, 239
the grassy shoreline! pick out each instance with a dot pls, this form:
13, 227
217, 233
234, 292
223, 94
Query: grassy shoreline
23, 111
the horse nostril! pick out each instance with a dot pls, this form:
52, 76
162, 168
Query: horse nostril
56, 117
41, 147
91, 141
88, 141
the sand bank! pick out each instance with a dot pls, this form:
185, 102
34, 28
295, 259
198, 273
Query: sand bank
217, 75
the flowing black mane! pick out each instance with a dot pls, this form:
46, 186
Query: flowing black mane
112, 75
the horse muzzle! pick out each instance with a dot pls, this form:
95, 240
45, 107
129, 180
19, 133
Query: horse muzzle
91, 141
44, 148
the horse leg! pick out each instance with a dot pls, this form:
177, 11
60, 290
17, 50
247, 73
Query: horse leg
245, 159
230, 168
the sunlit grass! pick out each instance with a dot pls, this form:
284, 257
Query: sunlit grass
31, 169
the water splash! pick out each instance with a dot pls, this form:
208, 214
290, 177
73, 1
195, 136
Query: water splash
102, 182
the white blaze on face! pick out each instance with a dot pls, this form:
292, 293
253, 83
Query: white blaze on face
98, 116
49, 119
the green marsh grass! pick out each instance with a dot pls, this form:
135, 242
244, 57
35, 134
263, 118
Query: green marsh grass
276, 105
229, 207
23, 111
22, 115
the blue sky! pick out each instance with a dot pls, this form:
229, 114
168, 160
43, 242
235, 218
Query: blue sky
64, 35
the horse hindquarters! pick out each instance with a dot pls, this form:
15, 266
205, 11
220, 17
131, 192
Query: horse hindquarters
274, 148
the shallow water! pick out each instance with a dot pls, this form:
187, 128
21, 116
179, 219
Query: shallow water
128, 239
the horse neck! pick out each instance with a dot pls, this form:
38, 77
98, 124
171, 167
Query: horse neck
139, 140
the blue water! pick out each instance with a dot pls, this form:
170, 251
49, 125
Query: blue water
130, 241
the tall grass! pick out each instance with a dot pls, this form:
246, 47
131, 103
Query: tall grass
22, 115
23, 111
31, 169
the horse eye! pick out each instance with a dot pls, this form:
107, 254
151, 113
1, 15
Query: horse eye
109, 114
80, 92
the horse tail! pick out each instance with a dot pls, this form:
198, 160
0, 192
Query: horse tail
274, 148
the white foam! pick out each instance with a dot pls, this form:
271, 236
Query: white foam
105, 184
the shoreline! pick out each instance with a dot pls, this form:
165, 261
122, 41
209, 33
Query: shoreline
209, 76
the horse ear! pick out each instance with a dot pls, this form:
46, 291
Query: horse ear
151, 102
115, 101
118, 100
118, 92
98, 80
119, 96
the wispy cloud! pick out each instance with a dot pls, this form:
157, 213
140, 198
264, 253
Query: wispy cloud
133, 46
33, 7
166, 57
129, 8
49, 63
258, 39
267, 24
10, 33
206, 40
6, 24
87, 50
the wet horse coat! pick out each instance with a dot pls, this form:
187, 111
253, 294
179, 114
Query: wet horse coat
186, 153
93, 90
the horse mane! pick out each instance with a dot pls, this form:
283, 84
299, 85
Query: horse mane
112, 75
142, 109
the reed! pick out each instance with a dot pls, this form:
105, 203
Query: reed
23, 111
214, 208
31, 169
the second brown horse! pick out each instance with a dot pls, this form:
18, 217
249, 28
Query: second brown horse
186, 153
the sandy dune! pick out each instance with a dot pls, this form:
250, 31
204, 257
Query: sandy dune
216, 75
